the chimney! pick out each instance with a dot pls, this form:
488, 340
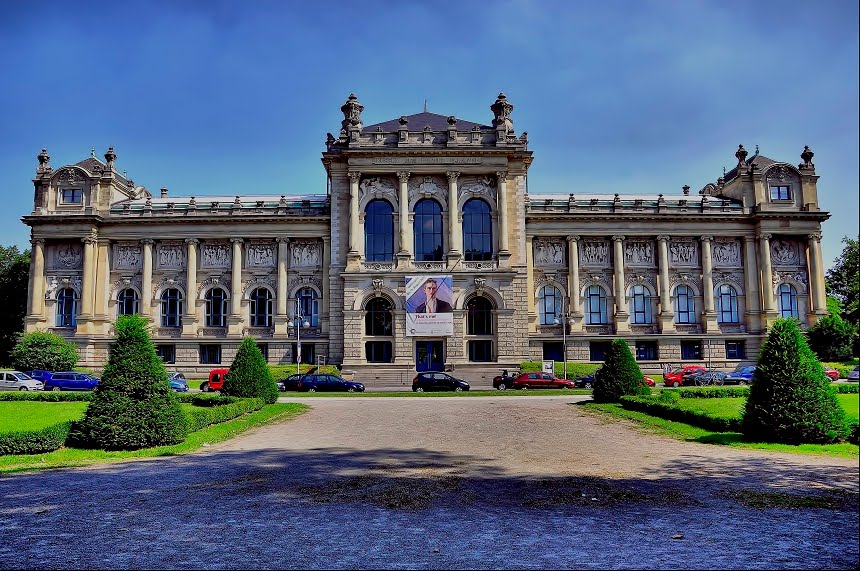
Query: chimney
163, 192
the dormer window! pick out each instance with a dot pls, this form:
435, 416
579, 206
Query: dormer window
780, 193
73, 195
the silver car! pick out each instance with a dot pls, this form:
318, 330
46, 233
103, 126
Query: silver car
18, 381
854, 375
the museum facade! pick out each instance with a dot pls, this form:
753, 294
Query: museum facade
428, 250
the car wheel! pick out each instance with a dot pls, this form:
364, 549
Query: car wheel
23, 389
458, 389
525, 387
742, 382
503, 387
350, 390
312, 390
204, 388
56, 389
676, 384
419, 389
587, 385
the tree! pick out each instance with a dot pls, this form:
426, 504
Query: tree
249, 375
619, 376
791, 400
133, 406
46, 351
831, 338
843, 281
14, 284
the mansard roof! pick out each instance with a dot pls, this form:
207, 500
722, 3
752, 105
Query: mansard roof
760, 161
420, 120
93, 165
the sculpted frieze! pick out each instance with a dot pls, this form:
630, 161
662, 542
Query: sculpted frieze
781, 173
683, 253
727, 253
639, 253
260, 255
56, 283
478, 186
548, 252
170, 256
594, 253
785, 252
127, 256
428, 187
798, 278
68, 256
215, 256
377, 187
305, 254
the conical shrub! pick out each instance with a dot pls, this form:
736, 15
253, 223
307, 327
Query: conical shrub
791, 400
133, 406
620, 375
249, 375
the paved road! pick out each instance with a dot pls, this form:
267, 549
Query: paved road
496, 482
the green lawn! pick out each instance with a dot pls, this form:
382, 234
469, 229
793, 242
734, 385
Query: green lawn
34, 415
733, 407
410, 393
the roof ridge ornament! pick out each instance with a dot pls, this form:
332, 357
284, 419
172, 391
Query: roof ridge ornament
502, 109
807, 155
741, 154
110, 157
352, 113
44, 160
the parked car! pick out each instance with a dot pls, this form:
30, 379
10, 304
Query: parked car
854, 375
38, 374
438, 381
70, 381
504, 381
291, 383
742, 375
215, 381
649, 381
706, 378
328, 383
178, 382
18, 381
541, 381
587, 382
680, 376
832, 373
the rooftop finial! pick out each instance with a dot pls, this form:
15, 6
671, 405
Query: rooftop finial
686, 189
93, 152
741, 154
502, 112
351, 112
724, 170
425, 105
807, 155
756, 149
110, 157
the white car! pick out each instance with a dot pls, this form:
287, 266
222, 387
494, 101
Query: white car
18, 381
854, 375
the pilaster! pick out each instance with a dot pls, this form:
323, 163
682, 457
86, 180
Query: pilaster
817, 288
281, 318
84, 321
622, 316
504, 250
752, 295
146, 278
667, 312
36, 293
573, 286
189, 320
456, 232
234, 320
353, 257
709, 315
766, 280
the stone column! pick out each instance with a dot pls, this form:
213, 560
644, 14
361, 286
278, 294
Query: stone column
355, 238
709, 315
234, 321
146, 278
530, 285
622, 316
573, 287
405, 251
189, 321
455, 231
502, 178
87, 284
281, 318
817, 288
326, 286
767, 279
667, 312
37, 282
102, 293
752, 295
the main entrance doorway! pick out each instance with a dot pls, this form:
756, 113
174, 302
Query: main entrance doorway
429, 356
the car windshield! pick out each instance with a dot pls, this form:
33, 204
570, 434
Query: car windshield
23, 377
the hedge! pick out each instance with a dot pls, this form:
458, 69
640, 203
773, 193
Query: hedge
666, 410
711, 392
843, 368
203, 416
49, 396
283, 371
574, 370
47, 439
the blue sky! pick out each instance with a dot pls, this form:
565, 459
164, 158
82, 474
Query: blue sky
230, 98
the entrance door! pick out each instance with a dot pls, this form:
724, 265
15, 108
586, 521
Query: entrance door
429, 356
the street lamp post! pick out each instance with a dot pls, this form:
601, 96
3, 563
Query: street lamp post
298, 321
562, 319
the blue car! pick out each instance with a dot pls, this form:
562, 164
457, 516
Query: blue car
328, 383
70, 381
38, 374
178, 382
742, 375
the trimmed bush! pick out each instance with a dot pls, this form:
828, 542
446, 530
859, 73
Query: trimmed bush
203, 416
711, 392
133, 406
846, 388
791, 400
619, 376
831, 338
47, 439
249, 376
46, 351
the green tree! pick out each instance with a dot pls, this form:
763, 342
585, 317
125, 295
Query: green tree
843, 281
791, 400
42, 350
619, 376
831, 338
249, 375
133, 406
14, 284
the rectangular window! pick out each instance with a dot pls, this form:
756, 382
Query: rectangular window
481, 351
378, 351
598, 349
691, 350
166, 352
780, 193
646, 350
210, 354
73, 195
736, 350
553, 351
264, 349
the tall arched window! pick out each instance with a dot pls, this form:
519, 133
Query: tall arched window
379, 319
67, 308
379, 231
127, 302
549, 304
788, 301
727, 305
477, 231
171, 308
595, 306
261, 307
640, 304
685, 305
428, 231
479, 316
216, 307
309, 304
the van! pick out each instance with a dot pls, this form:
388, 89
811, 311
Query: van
215, 382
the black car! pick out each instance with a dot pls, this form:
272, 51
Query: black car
435, 381
291, 383
328, 383
504, 381
585, 382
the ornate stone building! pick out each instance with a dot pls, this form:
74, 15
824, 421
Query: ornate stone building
428, 199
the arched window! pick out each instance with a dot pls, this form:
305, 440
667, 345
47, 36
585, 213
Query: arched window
727, 305
216, 307
549, 304
477, 231
595, 306
309, 303
67, 308
261, 307
640, 304
127, 302
685, 305
479, 316
379, 319
171, 308
788, 301
428, 231
379, 231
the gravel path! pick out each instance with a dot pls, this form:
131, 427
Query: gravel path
456, 482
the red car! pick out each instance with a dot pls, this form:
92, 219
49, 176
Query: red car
680, 376
215, 382
832, 373
649, 381
541, 381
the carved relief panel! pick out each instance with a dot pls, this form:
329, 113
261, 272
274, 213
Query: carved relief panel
170, 256
781, 174
426, 186
726, 253
785, 252
56, 283
68, 256
594, 253
548, 252
639, 253
127, 256
373, 187
214, 256
480, 186
684, 253
260, 255
305, 254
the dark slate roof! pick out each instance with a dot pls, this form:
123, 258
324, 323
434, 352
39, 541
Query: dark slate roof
92, 164
760, 161
418, 121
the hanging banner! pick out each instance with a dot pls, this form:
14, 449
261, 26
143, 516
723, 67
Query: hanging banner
429, 306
